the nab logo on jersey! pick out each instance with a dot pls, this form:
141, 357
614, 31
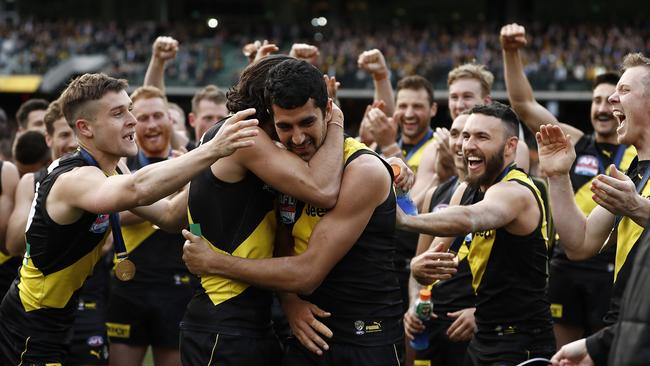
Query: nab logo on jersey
587, 165
100, 225
315, 211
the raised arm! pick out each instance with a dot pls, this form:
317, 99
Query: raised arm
331, 239
520, 93
9, 181
24, 197
502, 205
374, 63
582, 237
151, 183
164, 49
316, 181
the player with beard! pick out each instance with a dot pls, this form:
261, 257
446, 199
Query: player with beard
67, 226
504, 211
469, 85
453, 324
151, 305
579, 291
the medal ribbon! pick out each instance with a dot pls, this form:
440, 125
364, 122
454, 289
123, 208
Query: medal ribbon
114, 218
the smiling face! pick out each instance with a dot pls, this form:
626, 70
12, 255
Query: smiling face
456, 142
464, 94
154, 128
113, 126
207, 114
602, 118
62, 140
631, 106
302, 130
414, 113
486, 149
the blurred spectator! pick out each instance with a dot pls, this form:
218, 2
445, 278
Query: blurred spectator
562, 57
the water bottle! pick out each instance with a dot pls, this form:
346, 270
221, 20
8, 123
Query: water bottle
423, 310
404, 201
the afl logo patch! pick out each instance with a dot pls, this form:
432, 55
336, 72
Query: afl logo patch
587, 165
287, 207
100, 225
95, 341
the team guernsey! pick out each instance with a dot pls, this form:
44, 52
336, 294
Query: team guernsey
361, 291
236, 219
37, 313
580, 291
509, 276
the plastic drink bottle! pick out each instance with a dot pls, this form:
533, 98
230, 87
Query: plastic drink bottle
423, 310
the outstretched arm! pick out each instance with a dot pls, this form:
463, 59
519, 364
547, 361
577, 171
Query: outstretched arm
520, 93
149, 184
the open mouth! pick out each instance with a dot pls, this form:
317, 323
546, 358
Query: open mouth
474, 162
604, 117
130, 137
620, 116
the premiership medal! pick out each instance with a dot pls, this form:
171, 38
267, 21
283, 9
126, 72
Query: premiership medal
124, 268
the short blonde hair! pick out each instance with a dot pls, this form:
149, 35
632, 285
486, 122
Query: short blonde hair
211, 93
473, 71
637, 59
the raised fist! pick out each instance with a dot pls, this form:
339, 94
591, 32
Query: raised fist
513, 37
165, 48
373, 62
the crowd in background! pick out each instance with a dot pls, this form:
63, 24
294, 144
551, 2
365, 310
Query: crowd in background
561, 57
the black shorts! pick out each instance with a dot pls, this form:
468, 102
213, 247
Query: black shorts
147, 318
89, 340
441, 351
341, 355
579, 297
212, 348
509, 349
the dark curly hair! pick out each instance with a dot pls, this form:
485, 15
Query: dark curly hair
249, 90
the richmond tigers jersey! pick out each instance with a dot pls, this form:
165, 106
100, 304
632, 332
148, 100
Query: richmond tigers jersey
510, 271
236, 219
361, 291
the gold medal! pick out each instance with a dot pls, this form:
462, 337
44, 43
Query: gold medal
124, 270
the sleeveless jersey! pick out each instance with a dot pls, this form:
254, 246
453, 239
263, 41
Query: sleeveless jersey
236, 219
361, 291
510, 271
455, 293
8, 265
57, 261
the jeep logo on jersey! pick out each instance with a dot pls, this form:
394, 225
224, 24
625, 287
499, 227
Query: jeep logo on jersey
287, 207
315, 211
100, 225
587, 165
484, 234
